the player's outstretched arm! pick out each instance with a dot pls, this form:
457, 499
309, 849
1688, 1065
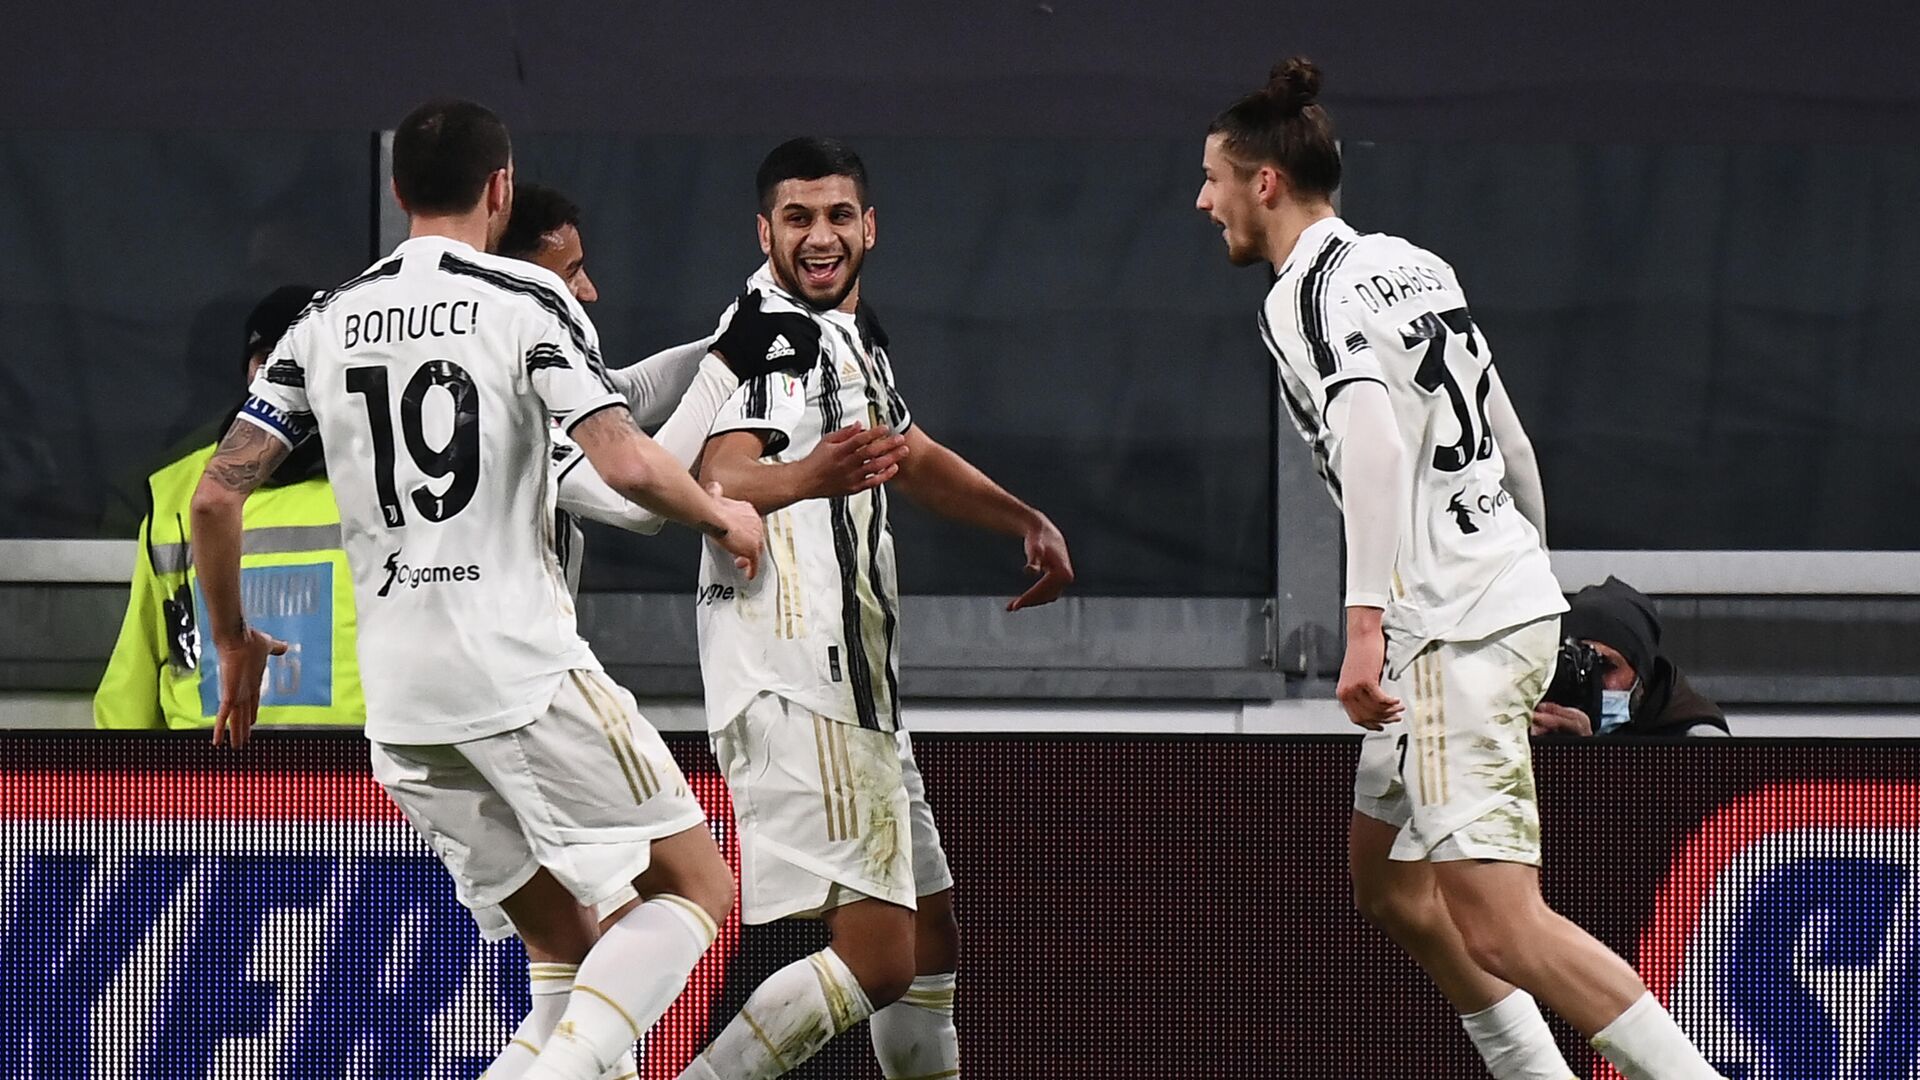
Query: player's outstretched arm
654, 386
636, 467
243, 461
949, 485
1523, 468
847, 461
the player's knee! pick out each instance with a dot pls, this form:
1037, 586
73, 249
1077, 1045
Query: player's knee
709, 883
885, 976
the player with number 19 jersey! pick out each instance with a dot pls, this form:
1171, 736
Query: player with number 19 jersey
432, 379
1348, 307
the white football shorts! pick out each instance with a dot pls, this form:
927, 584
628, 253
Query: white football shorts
827, 813
583, 790
1456, 773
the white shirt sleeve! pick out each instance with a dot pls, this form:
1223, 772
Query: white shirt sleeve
772, 405
654, 386
562, 358
1369, 457
1523, 468
277, 401
685, 432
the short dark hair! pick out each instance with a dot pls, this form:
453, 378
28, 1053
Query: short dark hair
809, 157
443, 153
1282, 124
537, 211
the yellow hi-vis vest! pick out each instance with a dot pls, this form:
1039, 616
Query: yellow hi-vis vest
294, 584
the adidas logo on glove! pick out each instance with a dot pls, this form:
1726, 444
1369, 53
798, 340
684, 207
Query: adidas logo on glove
779, 349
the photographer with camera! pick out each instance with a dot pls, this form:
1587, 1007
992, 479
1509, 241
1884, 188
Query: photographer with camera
1611, 678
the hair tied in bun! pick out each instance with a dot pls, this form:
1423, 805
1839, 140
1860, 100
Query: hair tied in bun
1293, 84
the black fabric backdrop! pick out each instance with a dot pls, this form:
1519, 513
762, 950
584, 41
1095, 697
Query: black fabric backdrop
1706, 340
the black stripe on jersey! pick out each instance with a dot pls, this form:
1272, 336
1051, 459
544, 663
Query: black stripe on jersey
319, 303
562, 539
540, 293
576, 419
545, 354
1334, 390
884, 365
1313, 305
1315, 438
846, 554
327, 296
286, 372
758, 405
889, 622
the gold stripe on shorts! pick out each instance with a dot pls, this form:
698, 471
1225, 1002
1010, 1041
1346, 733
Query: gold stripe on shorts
849, 798
615, 731
836, 778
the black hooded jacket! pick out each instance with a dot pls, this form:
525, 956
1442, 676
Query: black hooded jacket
1621, 617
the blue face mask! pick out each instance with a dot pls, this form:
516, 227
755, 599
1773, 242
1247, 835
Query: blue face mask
1615, 709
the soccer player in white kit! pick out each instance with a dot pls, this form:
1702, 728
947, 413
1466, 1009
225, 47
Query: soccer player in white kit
1452, 607
801, 665
545, 230
434, 377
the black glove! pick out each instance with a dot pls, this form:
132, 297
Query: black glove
757, 342
869, 323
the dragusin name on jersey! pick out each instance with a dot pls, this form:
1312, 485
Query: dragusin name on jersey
1398, 283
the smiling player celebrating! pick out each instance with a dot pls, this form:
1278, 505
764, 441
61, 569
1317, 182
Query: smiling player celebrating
1452, 607
802, 666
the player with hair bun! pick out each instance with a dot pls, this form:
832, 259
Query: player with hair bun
1453, 612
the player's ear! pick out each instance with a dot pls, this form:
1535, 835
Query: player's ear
868, 220
499, 191
397, 200
1270, 186
766, 233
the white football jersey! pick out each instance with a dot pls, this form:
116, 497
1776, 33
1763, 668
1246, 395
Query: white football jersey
433, 379
1349, 307
819, 626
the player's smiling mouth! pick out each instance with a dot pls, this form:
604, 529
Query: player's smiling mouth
820, 270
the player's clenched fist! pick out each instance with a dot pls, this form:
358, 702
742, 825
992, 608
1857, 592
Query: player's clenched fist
757, 341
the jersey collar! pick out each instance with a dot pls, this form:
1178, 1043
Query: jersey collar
1314, 237
433, 243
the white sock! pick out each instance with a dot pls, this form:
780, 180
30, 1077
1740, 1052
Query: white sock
1645, 1044
636, 969
798, 1010
1513, 1040
915, 1039
548, 984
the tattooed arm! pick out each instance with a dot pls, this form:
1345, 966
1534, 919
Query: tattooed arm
244, 460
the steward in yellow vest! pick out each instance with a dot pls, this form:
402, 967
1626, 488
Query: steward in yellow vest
294, 583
